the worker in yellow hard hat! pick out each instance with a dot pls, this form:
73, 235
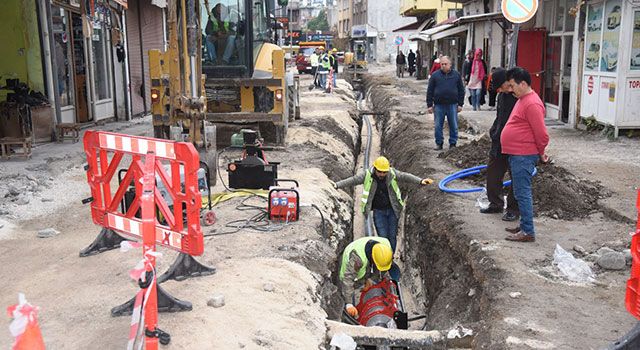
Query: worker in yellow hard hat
381, 194
364, 260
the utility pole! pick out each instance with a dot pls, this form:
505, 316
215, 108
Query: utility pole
514, 45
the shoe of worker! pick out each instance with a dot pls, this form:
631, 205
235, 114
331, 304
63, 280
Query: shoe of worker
490, 210
453, 145
508, 216
520, 237
513, 230
438, 148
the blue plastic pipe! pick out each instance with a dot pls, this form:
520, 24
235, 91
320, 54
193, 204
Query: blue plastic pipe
466, 173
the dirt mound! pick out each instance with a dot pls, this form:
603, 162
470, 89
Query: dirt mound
561, 195
472, 154
556, 192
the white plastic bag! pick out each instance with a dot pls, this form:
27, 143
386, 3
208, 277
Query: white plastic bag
483, 201
343, 342
575, 270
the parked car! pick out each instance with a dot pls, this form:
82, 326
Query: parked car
303, 62
592, 56
614, 18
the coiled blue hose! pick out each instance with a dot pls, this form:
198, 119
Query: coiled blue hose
465, 173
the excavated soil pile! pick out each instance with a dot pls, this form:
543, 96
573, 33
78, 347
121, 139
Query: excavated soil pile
556, 192
472, 154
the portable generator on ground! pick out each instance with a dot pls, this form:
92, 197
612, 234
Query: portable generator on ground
380, 306
207, 216
284, 202
252, 171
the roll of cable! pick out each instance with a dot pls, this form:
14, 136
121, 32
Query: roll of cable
466, 173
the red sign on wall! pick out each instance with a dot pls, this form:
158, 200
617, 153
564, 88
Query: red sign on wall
590, 85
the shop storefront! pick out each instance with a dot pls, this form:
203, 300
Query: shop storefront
85, 67
611, 71
559, 58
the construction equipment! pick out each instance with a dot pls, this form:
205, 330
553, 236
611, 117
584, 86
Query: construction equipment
284, 202
356, 62
252, 171
220, 67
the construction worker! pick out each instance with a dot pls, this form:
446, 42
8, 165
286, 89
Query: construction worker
364, 260
220, 29
314, 60
323, 68
334, 65
386, 201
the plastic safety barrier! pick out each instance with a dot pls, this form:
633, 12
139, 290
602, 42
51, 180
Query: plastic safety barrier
106, 151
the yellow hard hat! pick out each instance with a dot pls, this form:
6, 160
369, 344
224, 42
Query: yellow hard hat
382, 256
334, 50
382, 164
321, 47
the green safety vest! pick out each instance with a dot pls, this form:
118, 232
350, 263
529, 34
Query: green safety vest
368, 180
325, 63
215, 25
359, 245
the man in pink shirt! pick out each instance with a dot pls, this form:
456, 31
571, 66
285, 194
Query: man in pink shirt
524, 139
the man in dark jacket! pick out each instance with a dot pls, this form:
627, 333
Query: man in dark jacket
411, 59
466, 67
401, 63
498, 162
445, 97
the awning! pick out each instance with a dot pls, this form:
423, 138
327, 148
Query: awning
438, 32
480, 18
449, 32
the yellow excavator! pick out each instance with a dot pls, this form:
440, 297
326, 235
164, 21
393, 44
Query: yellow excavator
220, 67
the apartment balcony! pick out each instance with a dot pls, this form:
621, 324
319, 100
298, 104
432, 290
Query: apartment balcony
415, 8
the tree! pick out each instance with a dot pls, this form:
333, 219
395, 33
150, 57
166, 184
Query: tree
319, 23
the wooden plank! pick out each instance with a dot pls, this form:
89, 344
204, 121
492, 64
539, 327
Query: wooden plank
377, 336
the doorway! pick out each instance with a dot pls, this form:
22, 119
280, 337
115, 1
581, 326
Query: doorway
558, 76
69, 55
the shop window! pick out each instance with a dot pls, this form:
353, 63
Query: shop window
570, 23
559, 15
611, 36
101, 62
548, 7
593, 36
635, 44
62, 55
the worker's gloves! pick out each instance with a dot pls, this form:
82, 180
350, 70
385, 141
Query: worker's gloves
333, 184
351, 310
426, 181
368, 284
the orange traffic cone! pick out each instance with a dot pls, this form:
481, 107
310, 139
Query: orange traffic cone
24, 326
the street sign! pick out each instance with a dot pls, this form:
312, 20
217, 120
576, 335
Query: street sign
519, 11
590, 85
398, 40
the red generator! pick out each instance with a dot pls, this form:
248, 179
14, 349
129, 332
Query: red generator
284, 202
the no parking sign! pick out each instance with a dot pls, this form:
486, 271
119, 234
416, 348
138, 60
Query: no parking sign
519, 11
398, 40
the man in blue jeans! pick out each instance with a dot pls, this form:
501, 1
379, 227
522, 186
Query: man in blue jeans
381, 180
524, 139
445, 97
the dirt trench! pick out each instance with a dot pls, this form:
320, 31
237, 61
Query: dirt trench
444, 273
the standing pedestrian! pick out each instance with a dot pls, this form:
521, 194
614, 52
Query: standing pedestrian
476, 79
466, 67
445, 97
420, 73
314, 59
436, 64
324, 65
524, 139
499, 163
381, 180
411, 59
334, 65
493, 93
401, 63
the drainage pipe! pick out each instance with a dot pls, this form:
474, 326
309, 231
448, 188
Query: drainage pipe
466, 173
